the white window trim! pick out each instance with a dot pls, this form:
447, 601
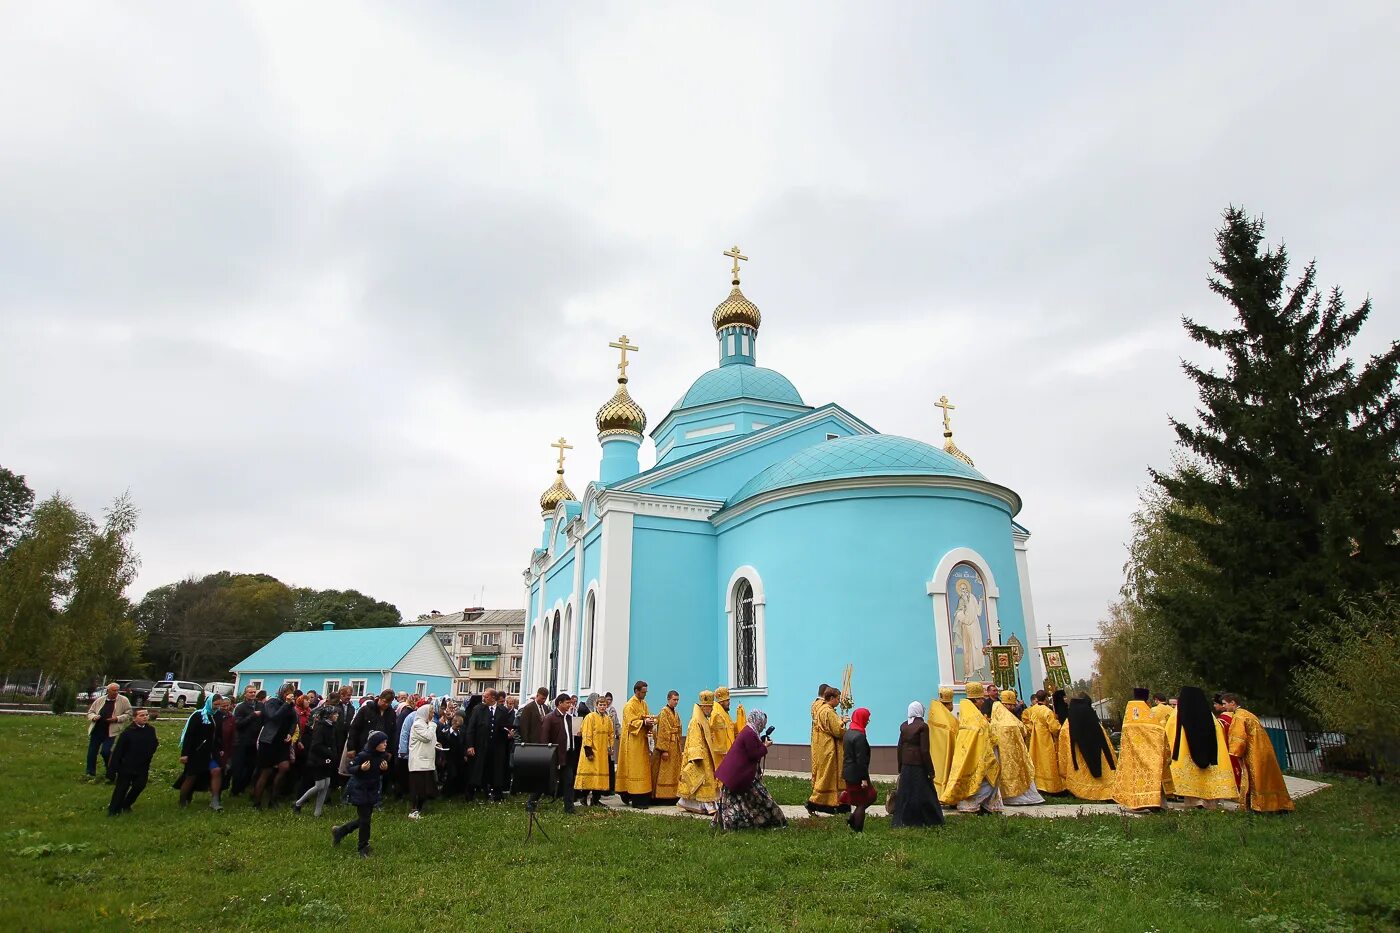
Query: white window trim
255, 684
420, 687
760, 601
364, 685
588, 640
938, 591
329, 690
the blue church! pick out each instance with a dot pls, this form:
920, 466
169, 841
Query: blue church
773, 543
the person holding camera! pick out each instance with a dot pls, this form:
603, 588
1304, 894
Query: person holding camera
743, 802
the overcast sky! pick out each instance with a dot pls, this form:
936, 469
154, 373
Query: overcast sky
319, 283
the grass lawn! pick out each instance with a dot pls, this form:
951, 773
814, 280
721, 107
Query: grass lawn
1332, 865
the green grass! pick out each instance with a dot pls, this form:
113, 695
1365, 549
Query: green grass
1333, 865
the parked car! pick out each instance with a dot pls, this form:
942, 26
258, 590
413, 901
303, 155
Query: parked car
174, 693
221, 687
137, 691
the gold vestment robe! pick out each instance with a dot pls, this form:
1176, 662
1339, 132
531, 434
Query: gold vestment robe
597, 735
740, 719
942, 738
1216, 782
1045, 730
1017, 771
827, 756
1142, 759
698, 769
666, 771
721, 732
1161, 713
973, 758
1265, 791
633, 752
1079, 780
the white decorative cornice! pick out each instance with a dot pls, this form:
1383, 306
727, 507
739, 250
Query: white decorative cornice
661, 428
686, 509
958, 483
747, 441
574, 530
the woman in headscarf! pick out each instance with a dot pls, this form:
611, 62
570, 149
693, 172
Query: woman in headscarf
320, 757
743, 802
915, 803
422, 759
198, 754
855, 769
365, 789
1086, 754
1200, 760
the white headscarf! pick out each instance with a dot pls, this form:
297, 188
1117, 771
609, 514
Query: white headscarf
916, 711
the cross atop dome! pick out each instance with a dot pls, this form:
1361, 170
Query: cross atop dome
733, 253
948, 445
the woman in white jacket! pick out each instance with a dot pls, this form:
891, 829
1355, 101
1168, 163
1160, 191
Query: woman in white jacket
422, 759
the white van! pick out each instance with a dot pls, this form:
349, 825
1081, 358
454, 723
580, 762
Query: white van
222, 688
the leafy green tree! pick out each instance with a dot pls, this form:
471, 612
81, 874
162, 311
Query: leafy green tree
1352, 682
199, 627
62, 590
1291, 501
16, 501
346, 608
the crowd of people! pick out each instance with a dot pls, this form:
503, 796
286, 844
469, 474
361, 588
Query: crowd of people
993, 751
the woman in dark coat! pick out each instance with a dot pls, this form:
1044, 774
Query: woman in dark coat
321, 757
855, 769
199, 755
742, 801
915, 803
365, 789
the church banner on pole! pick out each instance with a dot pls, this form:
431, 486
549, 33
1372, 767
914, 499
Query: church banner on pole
1004, 666
1056, 669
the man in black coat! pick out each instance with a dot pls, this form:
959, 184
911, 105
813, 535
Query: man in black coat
131, 761
530, 719
558, 731
344, 715
485, 744
247, 723
372, 717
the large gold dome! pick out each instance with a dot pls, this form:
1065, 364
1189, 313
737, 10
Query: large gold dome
736, 309
621, 415
556, 494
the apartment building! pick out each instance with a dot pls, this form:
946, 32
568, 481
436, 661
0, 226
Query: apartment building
487, 647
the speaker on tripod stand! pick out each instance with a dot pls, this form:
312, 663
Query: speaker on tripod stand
535, 775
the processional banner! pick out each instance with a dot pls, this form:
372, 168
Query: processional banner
1004, 666
1056, 670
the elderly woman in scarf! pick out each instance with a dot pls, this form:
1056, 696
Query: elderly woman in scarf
743, 802
855, 770
198, 754
914, 802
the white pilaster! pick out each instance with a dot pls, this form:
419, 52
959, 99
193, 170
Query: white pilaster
614, 618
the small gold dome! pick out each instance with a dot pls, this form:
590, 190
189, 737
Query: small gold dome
736, 309
556, 494
621, 415
950, 448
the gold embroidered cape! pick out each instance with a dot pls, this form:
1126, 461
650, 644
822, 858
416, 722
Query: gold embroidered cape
973, 758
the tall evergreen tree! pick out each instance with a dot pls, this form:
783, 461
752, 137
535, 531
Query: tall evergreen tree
1291, 498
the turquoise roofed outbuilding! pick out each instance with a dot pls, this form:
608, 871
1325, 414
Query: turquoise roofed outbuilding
771, 543
406, 658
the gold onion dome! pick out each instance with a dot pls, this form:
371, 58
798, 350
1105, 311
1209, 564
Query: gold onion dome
952, 449
620, 414
556, 494
736, 309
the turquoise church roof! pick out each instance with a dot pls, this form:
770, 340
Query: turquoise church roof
731, 382
858, 455
350, 649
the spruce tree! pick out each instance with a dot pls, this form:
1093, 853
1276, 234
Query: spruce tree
1290, 499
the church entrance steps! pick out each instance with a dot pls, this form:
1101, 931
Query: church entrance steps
1297, 787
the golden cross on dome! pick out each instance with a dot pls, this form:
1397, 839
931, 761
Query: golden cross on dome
622, 344
733, 253
562, 445
947, 406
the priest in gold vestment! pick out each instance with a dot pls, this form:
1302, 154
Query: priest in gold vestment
974, 774
1045, 731
1017, 784
1086, 754
942, 736
1142, 757
697, 783
1263, 789
634, 781
828, 731
721, 726
666, 764
1200, 756
597, 738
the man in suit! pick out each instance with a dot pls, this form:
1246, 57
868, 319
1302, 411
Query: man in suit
558, 730
509, 735
530, 724
483, 741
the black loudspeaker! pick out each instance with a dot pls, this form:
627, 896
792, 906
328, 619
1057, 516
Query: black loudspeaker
533, 769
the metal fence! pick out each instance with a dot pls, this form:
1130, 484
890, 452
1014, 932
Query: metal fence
1297, 747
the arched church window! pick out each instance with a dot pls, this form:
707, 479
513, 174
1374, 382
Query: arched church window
745, 636
554, 656
586, 677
